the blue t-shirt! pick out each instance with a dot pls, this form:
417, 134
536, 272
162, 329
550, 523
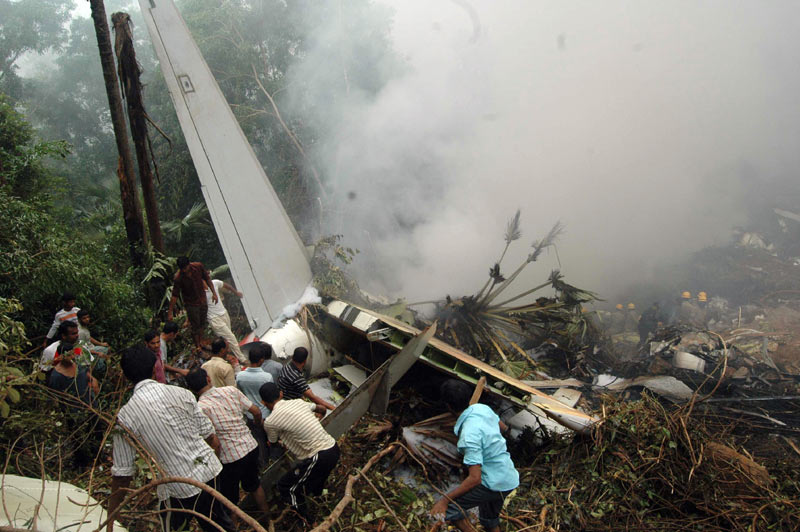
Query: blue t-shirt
480, 442
273, 367
249, 381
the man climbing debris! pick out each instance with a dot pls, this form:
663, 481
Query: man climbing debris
492, 475
190, 283
219, 319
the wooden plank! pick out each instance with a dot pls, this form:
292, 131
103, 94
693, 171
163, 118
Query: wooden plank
476, 395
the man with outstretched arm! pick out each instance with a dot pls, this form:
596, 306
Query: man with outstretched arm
293, 383
168, 423
492, 475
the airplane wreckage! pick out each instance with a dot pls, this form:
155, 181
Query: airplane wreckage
272, 267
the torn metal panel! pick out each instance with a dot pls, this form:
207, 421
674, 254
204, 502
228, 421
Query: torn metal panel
664, 385
51, 505
567, 396
686, 360
352, 374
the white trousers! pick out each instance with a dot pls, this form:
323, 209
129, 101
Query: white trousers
221, 325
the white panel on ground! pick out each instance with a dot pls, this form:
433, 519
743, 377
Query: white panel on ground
266, 257
58, 506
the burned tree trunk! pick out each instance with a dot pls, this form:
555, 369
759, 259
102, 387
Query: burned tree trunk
134, 226
129, 73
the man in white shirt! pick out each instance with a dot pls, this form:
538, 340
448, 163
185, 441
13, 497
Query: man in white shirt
68, 312
68, 333
220, 320
167, 421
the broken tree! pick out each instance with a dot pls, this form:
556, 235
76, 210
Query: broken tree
129, 73
134, 227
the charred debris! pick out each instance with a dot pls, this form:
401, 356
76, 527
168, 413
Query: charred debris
699, 426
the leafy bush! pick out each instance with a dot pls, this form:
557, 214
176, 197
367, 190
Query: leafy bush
46, 251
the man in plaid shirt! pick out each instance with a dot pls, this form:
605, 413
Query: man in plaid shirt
238, 450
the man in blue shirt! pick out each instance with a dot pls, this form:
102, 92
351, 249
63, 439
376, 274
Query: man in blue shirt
492, 475
249, 382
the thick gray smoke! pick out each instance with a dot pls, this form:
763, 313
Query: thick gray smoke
630, 122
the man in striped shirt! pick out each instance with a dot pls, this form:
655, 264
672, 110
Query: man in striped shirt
238, 450
293, 422
68, 312
292, 382
166, 421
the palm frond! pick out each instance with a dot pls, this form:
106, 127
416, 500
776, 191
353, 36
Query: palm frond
513, 231
196, 217
550, 239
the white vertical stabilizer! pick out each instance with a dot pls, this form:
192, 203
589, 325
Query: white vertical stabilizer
266, 257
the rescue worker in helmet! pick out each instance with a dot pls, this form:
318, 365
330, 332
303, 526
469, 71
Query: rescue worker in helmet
690, 313
631, 318
617, 321
702, 304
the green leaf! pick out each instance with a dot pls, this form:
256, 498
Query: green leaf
13, 394
5, 410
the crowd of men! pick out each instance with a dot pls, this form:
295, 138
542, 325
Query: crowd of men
215, 427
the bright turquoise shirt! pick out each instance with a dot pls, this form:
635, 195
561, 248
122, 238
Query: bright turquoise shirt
481, 443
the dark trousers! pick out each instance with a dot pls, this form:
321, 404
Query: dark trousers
489, 504
261, 438
307, 477
202, 503
243, 471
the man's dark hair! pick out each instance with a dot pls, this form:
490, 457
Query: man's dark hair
137, 363
300, 355
62, 348
65, 326
82, 312
455, 394
171, 327
183, 261
218, 345
67, 296
197, 380
269, 392
259, 352
149, 335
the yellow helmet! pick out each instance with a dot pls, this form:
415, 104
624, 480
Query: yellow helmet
686, 295
619, 306
702, 296
631, 306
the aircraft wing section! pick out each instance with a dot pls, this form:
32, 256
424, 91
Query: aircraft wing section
266, 257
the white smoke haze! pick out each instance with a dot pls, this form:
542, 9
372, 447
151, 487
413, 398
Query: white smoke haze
627, 121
